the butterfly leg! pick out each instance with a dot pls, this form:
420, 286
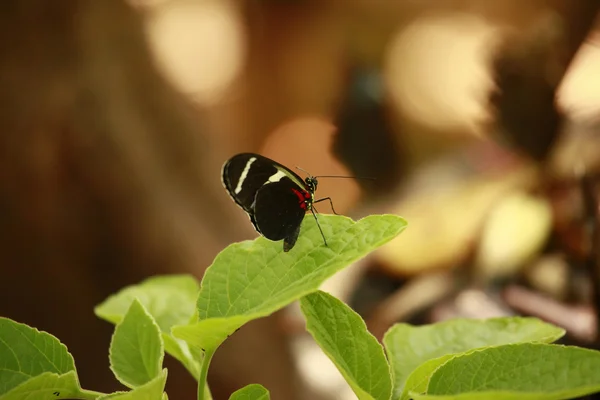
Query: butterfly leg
319, 225
330, 203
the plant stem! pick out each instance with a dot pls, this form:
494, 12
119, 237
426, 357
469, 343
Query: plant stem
203, 392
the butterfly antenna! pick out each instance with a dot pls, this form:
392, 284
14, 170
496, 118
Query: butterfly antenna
349, 177
303, 170
336, 176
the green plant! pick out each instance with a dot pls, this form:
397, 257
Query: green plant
509, 358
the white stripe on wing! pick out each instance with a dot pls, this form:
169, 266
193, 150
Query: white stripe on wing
238, 187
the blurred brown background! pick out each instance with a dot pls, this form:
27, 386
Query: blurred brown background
479, 119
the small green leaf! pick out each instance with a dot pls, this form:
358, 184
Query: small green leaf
171, 300
26, 353
409, 346
49, 386
209, 333
251, 392
527, 370
153, 390
253, 279
418, 380
343, 336
136, 349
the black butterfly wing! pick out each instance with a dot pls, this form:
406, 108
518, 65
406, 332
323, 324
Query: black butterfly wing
290, 241
279, 210
245, 174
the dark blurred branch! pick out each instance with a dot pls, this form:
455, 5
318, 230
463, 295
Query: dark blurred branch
591, 196
579, 321
365, 140
528, 69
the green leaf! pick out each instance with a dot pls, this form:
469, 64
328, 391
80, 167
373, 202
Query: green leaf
343, 336
251, 392
409, 346
152, 390
492, 396
210, 333
171, 300
136, 349
26, 353
253, 279
49, 385
524, 371
418, 380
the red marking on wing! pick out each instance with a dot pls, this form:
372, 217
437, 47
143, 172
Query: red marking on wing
302, 197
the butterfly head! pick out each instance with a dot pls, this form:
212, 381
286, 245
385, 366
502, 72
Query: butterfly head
311, 184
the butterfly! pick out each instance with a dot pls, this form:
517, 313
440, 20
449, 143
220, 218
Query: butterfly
275, 197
